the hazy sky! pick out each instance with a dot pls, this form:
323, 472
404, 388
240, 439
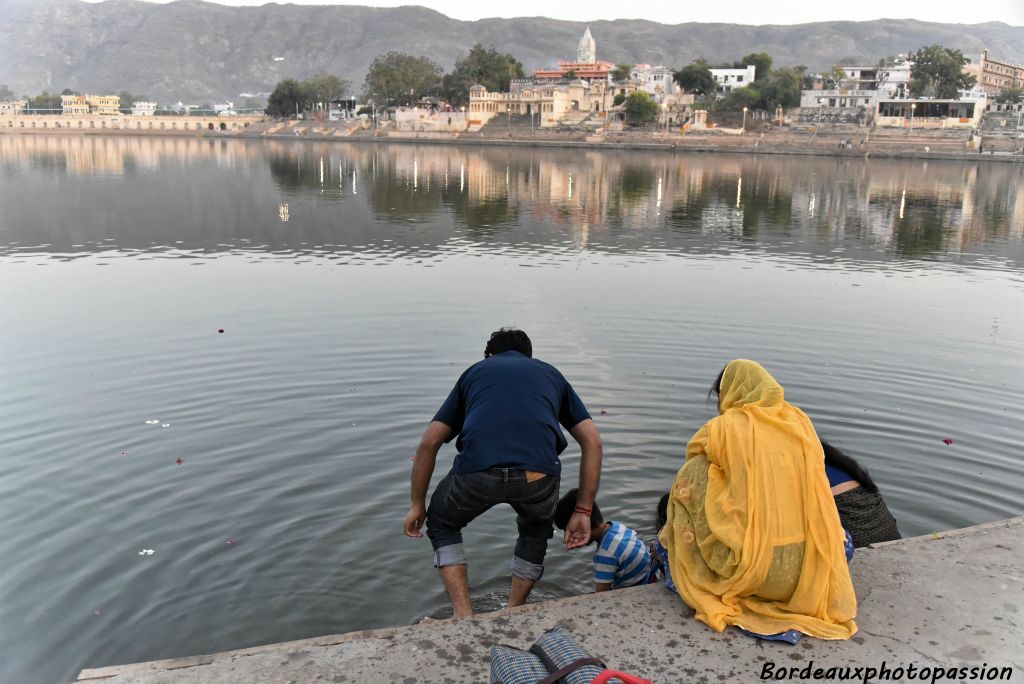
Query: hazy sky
735, 11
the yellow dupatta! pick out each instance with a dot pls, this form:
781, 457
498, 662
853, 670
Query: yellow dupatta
753, 535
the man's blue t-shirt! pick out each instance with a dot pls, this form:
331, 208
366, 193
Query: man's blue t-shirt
506, 411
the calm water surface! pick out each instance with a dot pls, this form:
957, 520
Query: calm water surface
354, 283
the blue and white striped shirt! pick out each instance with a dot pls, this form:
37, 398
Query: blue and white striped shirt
621, 558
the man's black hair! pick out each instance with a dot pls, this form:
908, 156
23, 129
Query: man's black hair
566, 506
509, 339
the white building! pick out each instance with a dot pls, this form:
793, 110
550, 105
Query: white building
860, 86
586, 49
727, 79
143, 108
894, 80
964, 112
224, 108
656, 81
16, 107
838, 98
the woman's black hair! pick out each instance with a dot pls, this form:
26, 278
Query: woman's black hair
836, 458
509, 339
662, 516
566, 507
716, 388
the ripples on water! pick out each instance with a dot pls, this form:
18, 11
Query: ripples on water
355, 282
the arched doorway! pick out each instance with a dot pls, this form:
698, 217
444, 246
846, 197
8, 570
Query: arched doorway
211, 126
223, 126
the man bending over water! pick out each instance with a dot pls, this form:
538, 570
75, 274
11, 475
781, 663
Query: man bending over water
506, 411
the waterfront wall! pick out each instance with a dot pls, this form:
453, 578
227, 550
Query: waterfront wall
944, 600
125, 123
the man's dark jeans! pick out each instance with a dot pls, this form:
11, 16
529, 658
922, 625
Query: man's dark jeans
459, 499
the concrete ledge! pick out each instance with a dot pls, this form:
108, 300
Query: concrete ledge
951, 599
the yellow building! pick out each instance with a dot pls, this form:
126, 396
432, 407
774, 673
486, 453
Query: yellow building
104, 104
77, 105
551, 103
74, 105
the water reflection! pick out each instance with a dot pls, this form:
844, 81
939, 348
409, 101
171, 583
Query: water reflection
336, 196
295, 424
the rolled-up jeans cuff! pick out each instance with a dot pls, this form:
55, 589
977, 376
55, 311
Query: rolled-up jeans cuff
526, 570
453, 554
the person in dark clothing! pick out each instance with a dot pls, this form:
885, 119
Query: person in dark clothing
508, 412
862, 510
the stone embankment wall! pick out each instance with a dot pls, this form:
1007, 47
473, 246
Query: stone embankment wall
948, 600
59, 123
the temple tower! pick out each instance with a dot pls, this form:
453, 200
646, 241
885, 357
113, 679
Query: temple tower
586, 50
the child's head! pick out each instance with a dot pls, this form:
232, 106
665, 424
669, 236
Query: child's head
662, 516
567, 505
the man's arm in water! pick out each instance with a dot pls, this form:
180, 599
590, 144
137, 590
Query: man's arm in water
577, 532
422, 469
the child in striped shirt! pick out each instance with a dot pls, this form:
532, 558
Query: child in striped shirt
622, 559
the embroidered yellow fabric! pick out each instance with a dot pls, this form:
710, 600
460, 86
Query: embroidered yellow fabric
753, 535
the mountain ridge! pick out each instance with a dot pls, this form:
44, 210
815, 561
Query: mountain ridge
193, 50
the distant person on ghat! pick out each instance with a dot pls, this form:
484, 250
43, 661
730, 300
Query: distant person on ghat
508, 412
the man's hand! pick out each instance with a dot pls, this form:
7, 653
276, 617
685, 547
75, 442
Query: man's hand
414, 520
422, 468
577, 532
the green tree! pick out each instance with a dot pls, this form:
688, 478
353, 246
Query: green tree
480, 66
253, 103
761, 61
128, 99
696, 78
1010, 96
938, 71
398, 78
45, 101
621, 72
323, 88
289, 97
570, 74
749, 96
6, 94
782, 88
640, 108
618, 99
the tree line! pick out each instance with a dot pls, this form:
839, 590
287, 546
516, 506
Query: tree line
396, 78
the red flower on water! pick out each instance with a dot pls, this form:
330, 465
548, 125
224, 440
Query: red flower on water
180, 460
947, 441
220, 330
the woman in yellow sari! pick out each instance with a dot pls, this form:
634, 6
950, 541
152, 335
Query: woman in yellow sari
753, 535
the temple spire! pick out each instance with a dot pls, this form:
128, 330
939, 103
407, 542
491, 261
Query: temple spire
586, 50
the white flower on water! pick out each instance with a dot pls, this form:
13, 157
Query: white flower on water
146, 552
166, 425
152, 421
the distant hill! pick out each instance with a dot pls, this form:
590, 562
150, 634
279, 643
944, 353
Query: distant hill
203, 52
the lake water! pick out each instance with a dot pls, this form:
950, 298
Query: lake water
355, 282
